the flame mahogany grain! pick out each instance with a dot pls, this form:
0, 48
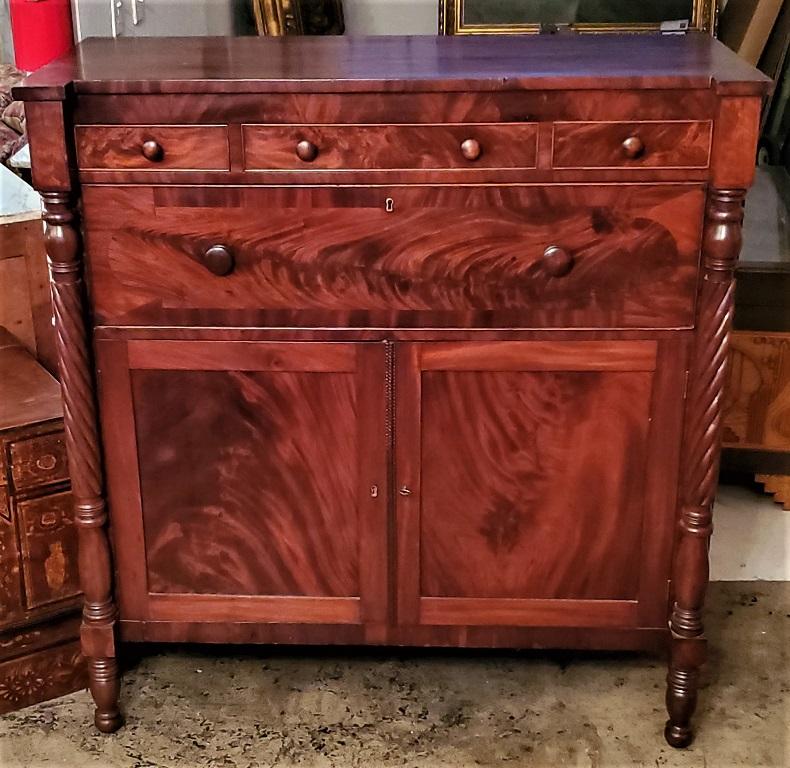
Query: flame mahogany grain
363, 147
397, 388
338, 253
153, 147
677, 144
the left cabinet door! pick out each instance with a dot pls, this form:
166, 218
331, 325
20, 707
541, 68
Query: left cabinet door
246, 479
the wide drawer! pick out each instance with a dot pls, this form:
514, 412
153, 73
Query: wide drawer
646, 144
578, 256
38, 461
385, 147
152, 147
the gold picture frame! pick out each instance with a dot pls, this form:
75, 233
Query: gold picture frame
277, 18
704, 17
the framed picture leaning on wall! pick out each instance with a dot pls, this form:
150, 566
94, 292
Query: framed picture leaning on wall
459, 17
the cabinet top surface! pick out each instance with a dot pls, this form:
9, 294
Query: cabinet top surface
28, 394
420, 63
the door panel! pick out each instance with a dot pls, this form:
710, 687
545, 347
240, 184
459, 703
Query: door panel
255, 460
524, 472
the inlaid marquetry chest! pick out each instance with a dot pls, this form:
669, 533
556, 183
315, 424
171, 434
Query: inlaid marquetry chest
397, 341
39, 586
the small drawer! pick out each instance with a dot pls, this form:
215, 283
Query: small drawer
11, 607
49, 549
153, 148
668, 144
39, 461
389, 147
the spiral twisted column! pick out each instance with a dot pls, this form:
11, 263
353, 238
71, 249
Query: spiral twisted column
62, 243
702, 446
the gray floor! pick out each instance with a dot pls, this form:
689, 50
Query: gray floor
766, 227
425, 709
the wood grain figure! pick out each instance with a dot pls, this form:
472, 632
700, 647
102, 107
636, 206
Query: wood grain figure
40, 598
398, 341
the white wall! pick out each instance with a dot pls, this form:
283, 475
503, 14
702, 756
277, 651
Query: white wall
6, 43
218, 17
160, 17
391, 17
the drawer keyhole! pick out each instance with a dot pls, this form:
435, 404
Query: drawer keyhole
389, 205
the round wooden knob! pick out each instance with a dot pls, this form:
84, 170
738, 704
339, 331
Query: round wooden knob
557, 261
152, 150
633, 147
471, 149
306, 151
219, 259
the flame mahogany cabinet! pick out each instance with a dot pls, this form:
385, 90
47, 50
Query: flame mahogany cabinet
404, 341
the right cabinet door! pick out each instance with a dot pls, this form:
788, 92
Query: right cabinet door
536, 481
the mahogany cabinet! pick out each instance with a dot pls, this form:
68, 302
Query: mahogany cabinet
398, 341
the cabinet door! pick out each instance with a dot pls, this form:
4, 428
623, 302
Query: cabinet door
536, 482
246, 479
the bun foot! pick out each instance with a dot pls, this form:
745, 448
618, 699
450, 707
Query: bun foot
107, 722
678, 736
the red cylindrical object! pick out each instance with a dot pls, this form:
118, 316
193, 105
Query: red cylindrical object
42, 31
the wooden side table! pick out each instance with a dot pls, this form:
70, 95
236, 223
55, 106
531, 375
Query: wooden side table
25, 305
757, 408
39, 592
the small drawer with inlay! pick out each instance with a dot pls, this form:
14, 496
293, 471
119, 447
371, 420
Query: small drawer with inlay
646, 144
48, 541
390, 147
39, 461
154, 148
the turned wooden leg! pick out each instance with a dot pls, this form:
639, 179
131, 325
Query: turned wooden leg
105, 685
82, 445
682, 684
702, 446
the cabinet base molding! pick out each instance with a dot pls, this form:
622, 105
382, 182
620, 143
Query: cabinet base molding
653, 640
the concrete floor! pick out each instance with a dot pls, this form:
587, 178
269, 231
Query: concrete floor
751, 537
194, 707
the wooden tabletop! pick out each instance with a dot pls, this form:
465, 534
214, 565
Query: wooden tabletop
28, 394
419, 63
